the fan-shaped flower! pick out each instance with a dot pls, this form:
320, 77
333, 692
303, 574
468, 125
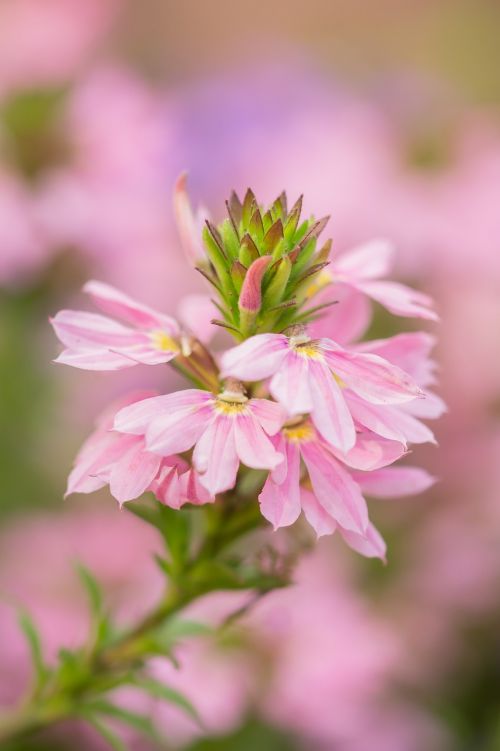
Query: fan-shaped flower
328, 492
225, 430
96, 342
310, 376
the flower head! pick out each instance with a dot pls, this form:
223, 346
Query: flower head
96, 342
311, 376
319, 481
225, 430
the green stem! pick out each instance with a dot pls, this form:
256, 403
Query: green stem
55, 702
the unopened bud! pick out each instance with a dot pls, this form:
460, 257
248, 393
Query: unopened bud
250, 300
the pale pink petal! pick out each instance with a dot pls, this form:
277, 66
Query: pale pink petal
253, 446
400, 299
429, 408
188, 226
371, 452
318, 518
94, 359
280, 472
196, 313
215, 456
78, 329
370, 376
394, 482
411, 427
382, 420
256, 358
178, 431
368, 261
137, 417
330, 412
291, 386
280, 504
409, 351
370, 544
271, 415
133, 473
122, 306
334, 488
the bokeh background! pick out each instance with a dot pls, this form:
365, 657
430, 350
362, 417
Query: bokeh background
386, 116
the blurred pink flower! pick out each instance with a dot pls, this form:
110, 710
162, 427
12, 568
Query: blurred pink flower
45, 42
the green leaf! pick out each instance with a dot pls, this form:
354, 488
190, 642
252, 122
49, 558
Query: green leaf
166, 693
105, 732
30, 631
127, 717
93, 589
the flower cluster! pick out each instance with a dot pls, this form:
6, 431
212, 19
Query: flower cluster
322, 421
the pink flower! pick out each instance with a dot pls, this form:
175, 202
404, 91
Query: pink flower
122, 462
96, 342
302, 381
224, 430
362, 269
330, 499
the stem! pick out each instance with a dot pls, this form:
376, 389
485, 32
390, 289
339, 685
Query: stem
56, 702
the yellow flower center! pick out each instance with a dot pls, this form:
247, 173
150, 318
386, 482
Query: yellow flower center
164, 342
299, 433
231, 408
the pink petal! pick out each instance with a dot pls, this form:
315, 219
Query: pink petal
409, 351
133, 473
178, 431
291, 386
334, 488
412, 428
78, 329
192, 491
394, 482
215, 456
373, 378
122, 306
253, 446
318, 518
271, 415
256, 358
137, 417
370, 544
368, 261
330, 412
429, 408
399, 299
97, 455
380, 419
166, 487
280, 504
371, 452
187, 225
94, 359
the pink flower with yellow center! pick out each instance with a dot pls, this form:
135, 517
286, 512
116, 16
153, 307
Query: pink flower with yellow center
313, 478
225, 430
96, 342
310, 377
123, 462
